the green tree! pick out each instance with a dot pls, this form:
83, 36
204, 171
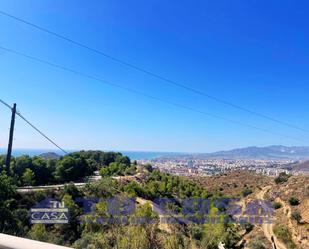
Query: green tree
28, 177
43, 174
72, 190
67, 233
71, 205
20, 164
2, 163
123, 159
38, 232
117, 168
133, 189
283, 177
71, 169
7, 193
105, 172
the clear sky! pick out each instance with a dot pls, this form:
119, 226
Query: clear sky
251, 53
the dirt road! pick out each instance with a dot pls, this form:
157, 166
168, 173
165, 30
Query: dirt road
268, 227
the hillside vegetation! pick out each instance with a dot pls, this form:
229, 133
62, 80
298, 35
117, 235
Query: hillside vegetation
90, 230
152, 223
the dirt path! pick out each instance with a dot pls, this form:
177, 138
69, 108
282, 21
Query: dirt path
268, 227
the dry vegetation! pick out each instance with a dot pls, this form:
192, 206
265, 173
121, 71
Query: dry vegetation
256, 236
296, 188
233, 183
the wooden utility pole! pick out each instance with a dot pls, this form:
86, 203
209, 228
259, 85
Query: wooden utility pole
9, 153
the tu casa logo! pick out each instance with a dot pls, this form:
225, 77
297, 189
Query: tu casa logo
49, 211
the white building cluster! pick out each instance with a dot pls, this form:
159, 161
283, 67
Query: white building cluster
194, 166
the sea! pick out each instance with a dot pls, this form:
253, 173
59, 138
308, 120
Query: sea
133, 155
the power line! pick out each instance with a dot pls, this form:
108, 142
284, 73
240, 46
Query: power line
7, 105
85, 75
34, 127
155, 75
40, 132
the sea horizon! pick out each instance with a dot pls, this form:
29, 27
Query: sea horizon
134, 155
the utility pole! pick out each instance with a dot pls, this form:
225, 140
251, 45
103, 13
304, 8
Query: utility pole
9, 153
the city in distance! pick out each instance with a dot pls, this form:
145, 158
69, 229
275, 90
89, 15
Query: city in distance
270, 160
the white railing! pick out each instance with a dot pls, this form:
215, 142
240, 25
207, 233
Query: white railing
12, 242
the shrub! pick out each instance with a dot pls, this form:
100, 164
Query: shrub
283, 177
283, 233
148, 167
246, 192
296, 216
248, 227
294, 201
277, 205
256, 244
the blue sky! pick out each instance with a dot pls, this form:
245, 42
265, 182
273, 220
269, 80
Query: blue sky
251, 53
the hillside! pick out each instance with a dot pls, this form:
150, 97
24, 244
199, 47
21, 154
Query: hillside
293, 215
145, 222
186, 212
302, 166
49, 155
233, 183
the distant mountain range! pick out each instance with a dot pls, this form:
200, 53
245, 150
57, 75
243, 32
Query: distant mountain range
269, 152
